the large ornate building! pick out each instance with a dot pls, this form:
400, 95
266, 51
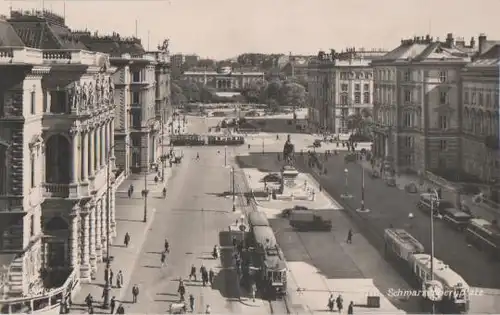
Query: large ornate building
225, 79
60, 100
340, 85
143, 98
480, 101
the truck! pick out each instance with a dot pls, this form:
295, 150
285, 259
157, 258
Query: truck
308, 220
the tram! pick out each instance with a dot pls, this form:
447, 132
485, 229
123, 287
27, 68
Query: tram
267, 259
257, 218
408, 254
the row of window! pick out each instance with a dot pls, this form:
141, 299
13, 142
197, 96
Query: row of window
487, 99
412, 119
344, 87
409, 143
357, 75
386, 96
344, 98
407, 75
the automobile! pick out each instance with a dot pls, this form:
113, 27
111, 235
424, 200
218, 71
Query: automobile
374, 174
411, 188
391, 181
286, 213
456, 218
308, 220
317, 143
424, 204
351, 157
272, 178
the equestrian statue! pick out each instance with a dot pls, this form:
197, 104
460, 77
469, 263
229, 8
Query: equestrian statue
289, 152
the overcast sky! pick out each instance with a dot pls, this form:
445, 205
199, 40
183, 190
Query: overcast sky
225, 28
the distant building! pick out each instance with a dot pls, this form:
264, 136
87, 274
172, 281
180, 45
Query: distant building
191, 61
225, 79
480, 99
340, 85
417, 104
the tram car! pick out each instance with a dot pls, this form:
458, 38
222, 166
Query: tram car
257, 218
226, 140
268, 263
408, 255
185, 140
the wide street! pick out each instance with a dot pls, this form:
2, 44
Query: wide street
190, 218
391, 206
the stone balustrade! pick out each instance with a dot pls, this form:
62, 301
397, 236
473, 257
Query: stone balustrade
20, 55
25, 55
56, 190
46, 303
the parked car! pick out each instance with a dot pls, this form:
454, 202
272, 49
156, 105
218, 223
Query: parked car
456, 218
286, 213
317, 143
272, 178
390, 181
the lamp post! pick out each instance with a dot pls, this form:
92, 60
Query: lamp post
434, 202
225, 156
145, 194
346, 194
362, 208
162, 159
233, 188
262, 145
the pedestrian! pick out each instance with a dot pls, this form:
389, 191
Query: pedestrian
167, 246
254, 291
340, 303
211, 276
331, 303
119, 279
350, 308
163, 257
208, 309
89, 300
126, 239
120, 309
192, 274
111, 275
349, 237
191, 302
112, 305
135, 293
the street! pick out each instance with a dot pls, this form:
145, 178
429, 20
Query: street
191, 219
391, 206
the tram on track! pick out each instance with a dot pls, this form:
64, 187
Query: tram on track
451, 292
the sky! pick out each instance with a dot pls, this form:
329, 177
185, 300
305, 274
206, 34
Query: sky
222, 29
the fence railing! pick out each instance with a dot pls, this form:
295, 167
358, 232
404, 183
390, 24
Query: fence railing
46, 303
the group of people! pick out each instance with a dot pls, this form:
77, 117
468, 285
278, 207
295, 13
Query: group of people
339, 301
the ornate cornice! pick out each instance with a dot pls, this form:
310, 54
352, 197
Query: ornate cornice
38, 71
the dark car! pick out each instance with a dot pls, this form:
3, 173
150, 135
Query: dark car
286, 213
456, 218
317, 143
272, 178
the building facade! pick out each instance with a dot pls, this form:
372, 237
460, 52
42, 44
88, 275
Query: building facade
480, 127
137, 127
417, 111
224, 80
340, 85
57, 131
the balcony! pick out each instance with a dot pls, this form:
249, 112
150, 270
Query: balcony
70, 56
72, 190
20, 55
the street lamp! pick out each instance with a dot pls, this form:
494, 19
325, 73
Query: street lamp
362, 208
262, 145
346, 194
233, 188
434, 202
225, 155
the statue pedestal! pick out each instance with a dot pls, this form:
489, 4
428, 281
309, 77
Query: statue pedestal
288, 179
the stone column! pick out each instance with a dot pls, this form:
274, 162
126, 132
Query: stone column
112, 211
104, 141
85, 162
112, 137
92, 232
73, 237
104, 223
92, 152
75, 166
97, 241
98, 140
85, 247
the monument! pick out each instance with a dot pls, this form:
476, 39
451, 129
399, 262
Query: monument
288, 172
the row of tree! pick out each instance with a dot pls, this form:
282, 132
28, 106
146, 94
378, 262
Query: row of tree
275, 93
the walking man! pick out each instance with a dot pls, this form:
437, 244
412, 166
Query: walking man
340, 303
126, 239
350, 308
349, 237
111, 275
191, 302
112, 305
119, 279
163, 257
192, 274
135, 293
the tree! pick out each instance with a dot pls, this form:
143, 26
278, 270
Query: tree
176, 95
293, 94
206, 94
354, 122
274, 105
253, 91
206, 63
272, 91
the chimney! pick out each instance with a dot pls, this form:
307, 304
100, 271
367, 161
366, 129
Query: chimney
472, 42
481, 42
449, 40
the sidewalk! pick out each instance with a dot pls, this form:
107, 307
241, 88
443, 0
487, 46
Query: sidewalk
479, 210
129, 219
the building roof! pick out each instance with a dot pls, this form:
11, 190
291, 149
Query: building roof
8, 36
490, 58
114, 45
425, 49
43, 30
